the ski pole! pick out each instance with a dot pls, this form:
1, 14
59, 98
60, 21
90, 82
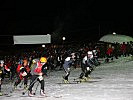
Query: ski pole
36, 88
21, 84
11, 83
23, 93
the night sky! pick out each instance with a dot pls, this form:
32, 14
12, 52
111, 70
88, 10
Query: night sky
75, 19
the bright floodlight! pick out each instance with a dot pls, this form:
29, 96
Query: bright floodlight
43, 46
63, 38
114, 33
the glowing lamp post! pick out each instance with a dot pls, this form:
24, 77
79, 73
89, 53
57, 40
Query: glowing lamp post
43, 46
114, 33
63, 38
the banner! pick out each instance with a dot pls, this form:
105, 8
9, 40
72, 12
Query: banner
32, 39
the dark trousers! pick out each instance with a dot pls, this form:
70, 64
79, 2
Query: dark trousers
34, 79
0, 87
19, 80
85, 72
67, 71
0, 81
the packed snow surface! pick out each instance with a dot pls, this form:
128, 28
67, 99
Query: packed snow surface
109, 81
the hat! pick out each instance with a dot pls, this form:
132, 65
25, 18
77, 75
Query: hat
43, 59
89, 52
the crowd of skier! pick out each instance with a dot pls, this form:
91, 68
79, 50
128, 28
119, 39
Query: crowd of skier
33, 64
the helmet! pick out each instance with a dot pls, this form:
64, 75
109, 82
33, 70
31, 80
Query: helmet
89, 52
1, 61
73, 55
43, 59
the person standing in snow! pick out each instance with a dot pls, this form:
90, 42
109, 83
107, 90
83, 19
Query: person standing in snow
95, 57
1, 73
23, 71
87, 66
67, 64
38, 70
109, 53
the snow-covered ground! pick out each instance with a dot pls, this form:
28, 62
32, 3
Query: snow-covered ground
112, 81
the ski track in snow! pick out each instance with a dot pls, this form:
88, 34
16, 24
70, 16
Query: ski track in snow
109, 81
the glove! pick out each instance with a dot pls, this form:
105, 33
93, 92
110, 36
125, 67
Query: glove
40, 74
24, 74
40, 78
68, 69
88, 68
0, 71
8, 70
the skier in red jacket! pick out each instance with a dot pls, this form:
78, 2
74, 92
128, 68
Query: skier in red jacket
23, 71
38, 70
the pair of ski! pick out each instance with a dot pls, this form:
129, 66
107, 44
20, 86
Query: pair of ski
70, 82
10, 93
35, 96
80, 80
6, 94
75, 81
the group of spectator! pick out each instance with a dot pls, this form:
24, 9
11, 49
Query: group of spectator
57, 53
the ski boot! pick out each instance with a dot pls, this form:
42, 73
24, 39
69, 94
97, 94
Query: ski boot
86, 78
42, 93
81, 79
1, 94
65, 80
25, 87
30, 94
15, 87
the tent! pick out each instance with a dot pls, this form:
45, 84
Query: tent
113, 38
